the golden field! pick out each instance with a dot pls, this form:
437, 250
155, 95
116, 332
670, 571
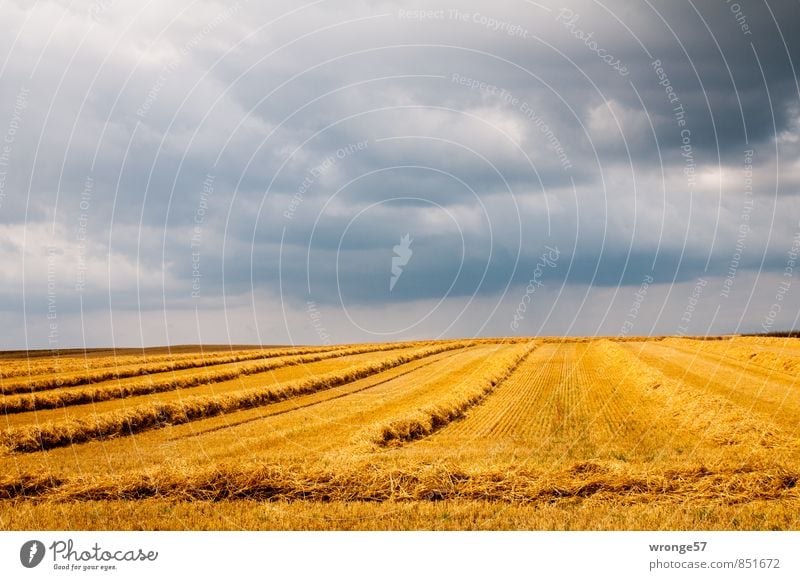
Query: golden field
661, 433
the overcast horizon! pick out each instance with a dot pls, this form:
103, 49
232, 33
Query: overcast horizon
323, 173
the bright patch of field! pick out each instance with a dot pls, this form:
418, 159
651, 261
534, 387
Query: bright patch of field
448, 515
559, 407
762, 392
539, 434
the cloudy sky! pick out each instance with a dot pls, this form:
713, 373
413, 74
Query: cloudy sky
177, 172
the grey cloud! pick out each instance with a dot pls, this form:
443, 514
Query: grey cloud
152, 104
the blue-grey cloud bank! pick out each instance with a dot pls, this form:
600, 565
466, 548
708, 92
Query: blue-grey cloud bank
298, 173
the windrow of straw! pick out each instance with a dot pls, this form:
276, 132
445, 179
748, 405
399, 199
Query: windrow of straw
59, 380
24, 365
80, 396
125, 365
370, 483
155, 415
712, 417
458, 400
105, 374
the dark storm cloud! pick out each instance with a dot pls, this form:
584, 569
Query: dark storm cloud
186, 146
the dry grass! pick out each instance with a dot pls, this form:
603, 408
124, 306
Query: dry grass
104, 370
327, 426
559, 406
780, 358
711, 418
61, 379
80, 396
259, 380
448, 515
156, 415
35, 363
367, 482
760, 395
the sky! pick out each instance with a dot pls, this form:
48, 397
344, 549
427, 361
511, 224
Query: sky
332, 172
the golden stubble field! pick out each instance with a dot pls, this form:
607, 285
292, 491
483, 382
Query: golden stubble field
662, 433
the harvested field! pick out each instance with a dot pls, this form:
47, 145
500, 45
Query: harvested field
474, 434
